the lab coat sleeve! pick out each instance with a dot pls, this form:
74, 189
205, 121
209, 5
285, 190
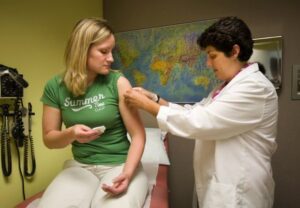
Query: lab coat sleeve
235, 111
180, 107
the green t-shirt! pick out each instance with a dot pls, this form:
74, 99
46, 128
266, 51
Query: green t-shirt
99, 106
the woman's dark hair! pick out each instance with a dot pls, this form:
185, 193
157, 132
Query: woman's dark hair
225, 33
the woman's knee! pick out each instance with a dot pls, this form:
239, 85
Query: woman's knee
72, 186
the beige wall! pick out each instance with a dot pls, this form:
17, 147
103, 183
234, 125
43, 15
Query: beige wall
266, 18
33, 35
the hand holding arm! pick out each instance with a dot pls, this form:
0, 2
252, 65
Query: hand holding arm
152, 96
142, 99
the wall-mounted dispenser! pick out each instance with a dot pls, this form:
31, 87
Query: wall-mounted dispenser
296, 82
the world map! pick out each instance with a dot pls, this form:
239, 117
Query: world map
166, 60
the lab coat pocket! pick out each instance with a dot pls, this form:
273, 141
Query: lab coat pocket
219, 195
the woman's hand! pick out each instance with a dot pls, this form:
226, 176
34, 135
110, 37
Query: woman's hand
140, 99
145, 92
84, 134
136, 98
119, 185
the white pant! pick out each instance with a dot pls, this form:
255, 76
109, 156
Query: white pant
79, 186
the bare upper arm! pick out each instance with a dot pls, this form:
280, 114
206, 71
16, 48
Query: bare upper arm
130, 116
51, 119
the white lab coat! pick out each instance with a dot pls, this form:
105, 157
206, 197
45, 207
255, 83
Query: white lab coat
235, 139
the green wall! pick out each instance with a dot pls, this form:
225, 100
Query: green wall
33, 36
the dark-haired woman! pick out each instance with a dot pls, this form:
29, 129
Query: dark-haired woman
234, 127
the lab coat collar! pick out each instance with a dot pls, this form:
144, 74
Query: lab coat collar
245, 72
252, 68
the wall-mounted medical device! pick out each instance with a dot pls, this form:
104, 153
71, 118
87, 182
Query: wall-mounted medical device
11, 82
268, 52
296, 82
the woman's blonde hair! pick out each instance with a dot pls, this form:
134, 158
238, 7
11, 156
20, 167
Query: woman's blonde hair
85, 33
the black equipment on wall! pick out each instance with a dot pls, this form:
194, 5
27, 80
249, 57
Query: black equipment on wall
5, 142
18, 128
12, 83
28, 144
12, 86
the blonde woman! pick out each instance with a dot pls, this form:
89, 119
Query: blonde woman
106, 170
